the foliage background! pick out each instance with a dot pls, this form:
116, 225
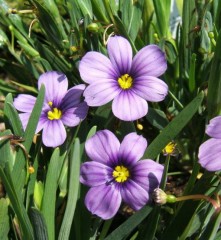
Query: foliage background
54, 35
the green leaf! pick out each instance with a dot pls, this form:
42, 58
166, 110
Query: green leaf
4, 219
74, 164
51, 185
173, 128
38, 223
16, 202
212, 227
130, 224
12, 117
28, 136
214, 84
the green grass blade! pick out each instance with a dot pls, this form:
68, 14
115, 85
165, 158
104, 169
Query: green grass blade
49, 197
4, 219
72, 192
173, 128
28, 136
130, 224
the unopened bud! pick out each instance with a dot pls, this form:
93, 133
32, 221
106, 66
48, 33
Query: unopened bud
93, 27
160, 197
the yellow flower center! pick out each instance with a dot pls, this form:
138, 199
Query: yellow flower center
54, 114
170, 148
125, 81
121, 174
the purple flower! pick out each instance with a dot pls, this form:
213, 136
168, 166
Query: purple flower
210, 150
61, 107
128, 82
115, 174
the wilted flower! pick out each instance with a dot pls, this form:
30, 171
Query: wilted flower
61, 107
128, 82
116, 175
210, 150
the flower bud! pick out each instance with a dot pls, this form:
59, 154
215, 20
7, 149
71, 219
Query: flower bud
160, 197
93, 27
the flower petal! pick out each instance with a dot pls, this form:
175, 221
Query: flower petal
73, 116
120, 53
103, 147
54, 133
72, 97
103, 201
147, 174
134, 195
24, 103
98, 94
24, 117
209, 155
149, 61
132, 148
213, 129
95, 66
128, 106
150, 88
94, 174
56, 85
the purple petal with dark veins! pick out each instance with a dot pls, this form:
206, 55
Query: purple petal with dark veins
56, 85
94, 174
98, 94
209, 155
95, 67
103, 147
73, 116
24, 103
134, 195
147, 174
103, 201
54, 133
72, 97
132, 148
120, 53
128, 106
150, 88
213, 129
149, 61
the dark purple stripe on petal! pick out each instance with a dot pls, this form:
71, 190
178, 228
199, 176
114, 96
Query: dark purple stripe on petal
209, 155
24, 103
132, 149
94, 174
149, 61
214, 127
56, 85
98, 94
120, 53
54, 133
150, 88
134, 195
95, 66
73, 116
128, 106
103, 201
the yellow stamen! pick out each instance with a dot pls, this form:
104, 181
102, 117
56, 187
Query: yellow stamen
54, 114
50, 104
121, 174
170, 148
125, 81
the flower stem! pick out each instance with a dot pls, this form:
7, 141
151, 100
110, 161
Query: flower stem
176, 100
199, 197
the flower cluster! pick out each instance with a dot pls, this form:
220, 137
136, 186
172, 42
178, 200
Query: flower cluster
61, 107
115, 174
114, 171
129, 82
210, 150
